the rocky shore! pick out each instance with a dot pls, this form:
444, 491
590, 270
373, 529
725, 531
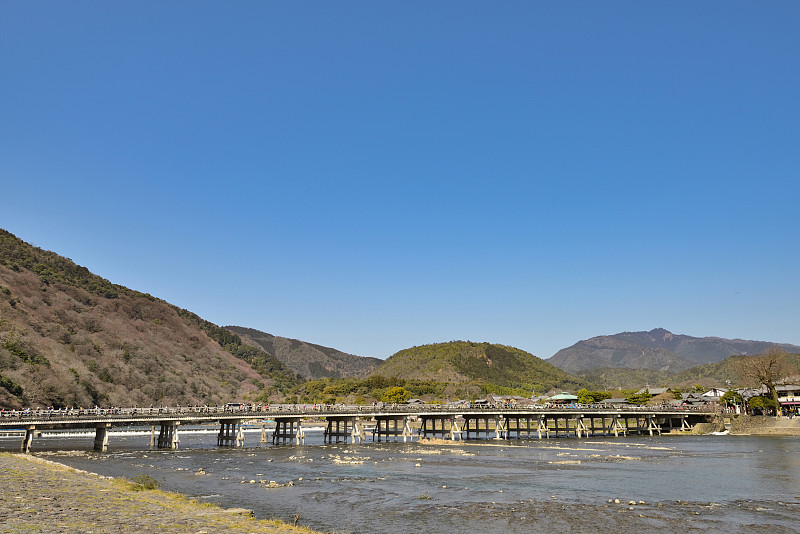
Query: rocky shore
37, 495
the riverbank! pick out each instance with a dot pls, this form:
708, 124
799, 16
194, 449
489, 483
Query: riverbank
38, 495
758, 425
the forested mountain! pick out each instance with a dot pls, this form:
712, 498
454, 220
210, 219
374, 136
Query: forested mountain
658, 350
69, 337
477, 363
307, 359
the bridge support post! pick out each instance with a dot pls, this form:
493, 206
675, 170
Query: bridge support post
240, 436
685, 424
500, 427
101, 437
580, 427
27, 440
619, 427
168, 435
357, 434
543, 427
652, 426
152, 436
407, 432
263, 433
455, 429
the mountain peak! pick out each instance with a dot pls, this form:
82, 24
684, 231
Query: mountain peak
661, 333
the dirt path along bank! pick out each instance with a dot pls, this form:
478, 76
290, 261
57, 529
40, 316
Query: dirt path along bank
37, 495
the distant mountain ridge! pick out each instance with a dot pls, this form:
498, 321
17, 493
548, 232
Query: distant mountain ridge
658, 349
307, 359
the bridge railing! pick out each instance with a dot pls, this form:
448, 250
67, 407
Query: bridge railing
78, 413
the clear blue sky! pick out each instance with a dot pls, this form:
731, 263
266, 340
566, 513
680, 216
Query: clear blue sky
376, 175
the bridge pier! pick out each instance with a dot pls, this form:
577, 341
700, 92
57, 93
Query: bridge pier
685, 423
230, 433
543, 427
456, 432
441, 431
653, 426
619, 427
101, 437
168, 435
449, 426
500, 427
555, 425
526, 429
580, 428
477, 429
289, 428
512, 425
383, 428
342, 427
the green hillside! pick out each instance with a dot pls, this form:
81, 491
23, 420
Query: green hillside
477, 363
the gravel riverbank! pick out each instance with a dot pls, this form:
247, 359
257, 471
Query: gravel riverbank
37, 495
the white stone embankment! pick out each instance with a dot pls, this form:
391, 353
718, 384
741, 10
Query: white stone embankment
758, 425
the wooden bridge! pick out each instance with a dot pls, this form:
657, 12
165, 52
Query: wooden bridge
345, 423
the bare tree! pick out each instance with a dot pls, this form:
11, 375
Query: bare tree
766, 369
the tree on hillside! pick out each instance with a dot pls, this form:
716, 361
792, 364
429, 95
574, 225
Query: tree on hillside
592, 397
766, 369
396, 395
638, 399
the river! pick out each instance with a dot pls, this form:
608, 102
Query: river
678, 483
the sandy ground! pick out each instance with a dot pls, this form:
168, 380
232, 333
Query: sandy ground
37, 495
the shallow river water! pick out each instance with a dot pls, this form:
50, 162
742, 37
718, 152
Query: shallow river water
679, 483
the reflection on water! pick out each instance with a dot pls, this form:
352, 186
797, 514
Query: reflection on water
687, 483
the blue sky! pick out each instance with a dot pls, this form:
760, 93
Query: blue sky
376, 175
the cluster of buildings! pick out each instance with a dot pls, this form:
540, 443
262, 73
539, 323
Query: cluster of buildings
788, 397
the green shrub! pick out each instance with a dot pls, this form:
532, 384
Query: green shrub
10, 386
143, 481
